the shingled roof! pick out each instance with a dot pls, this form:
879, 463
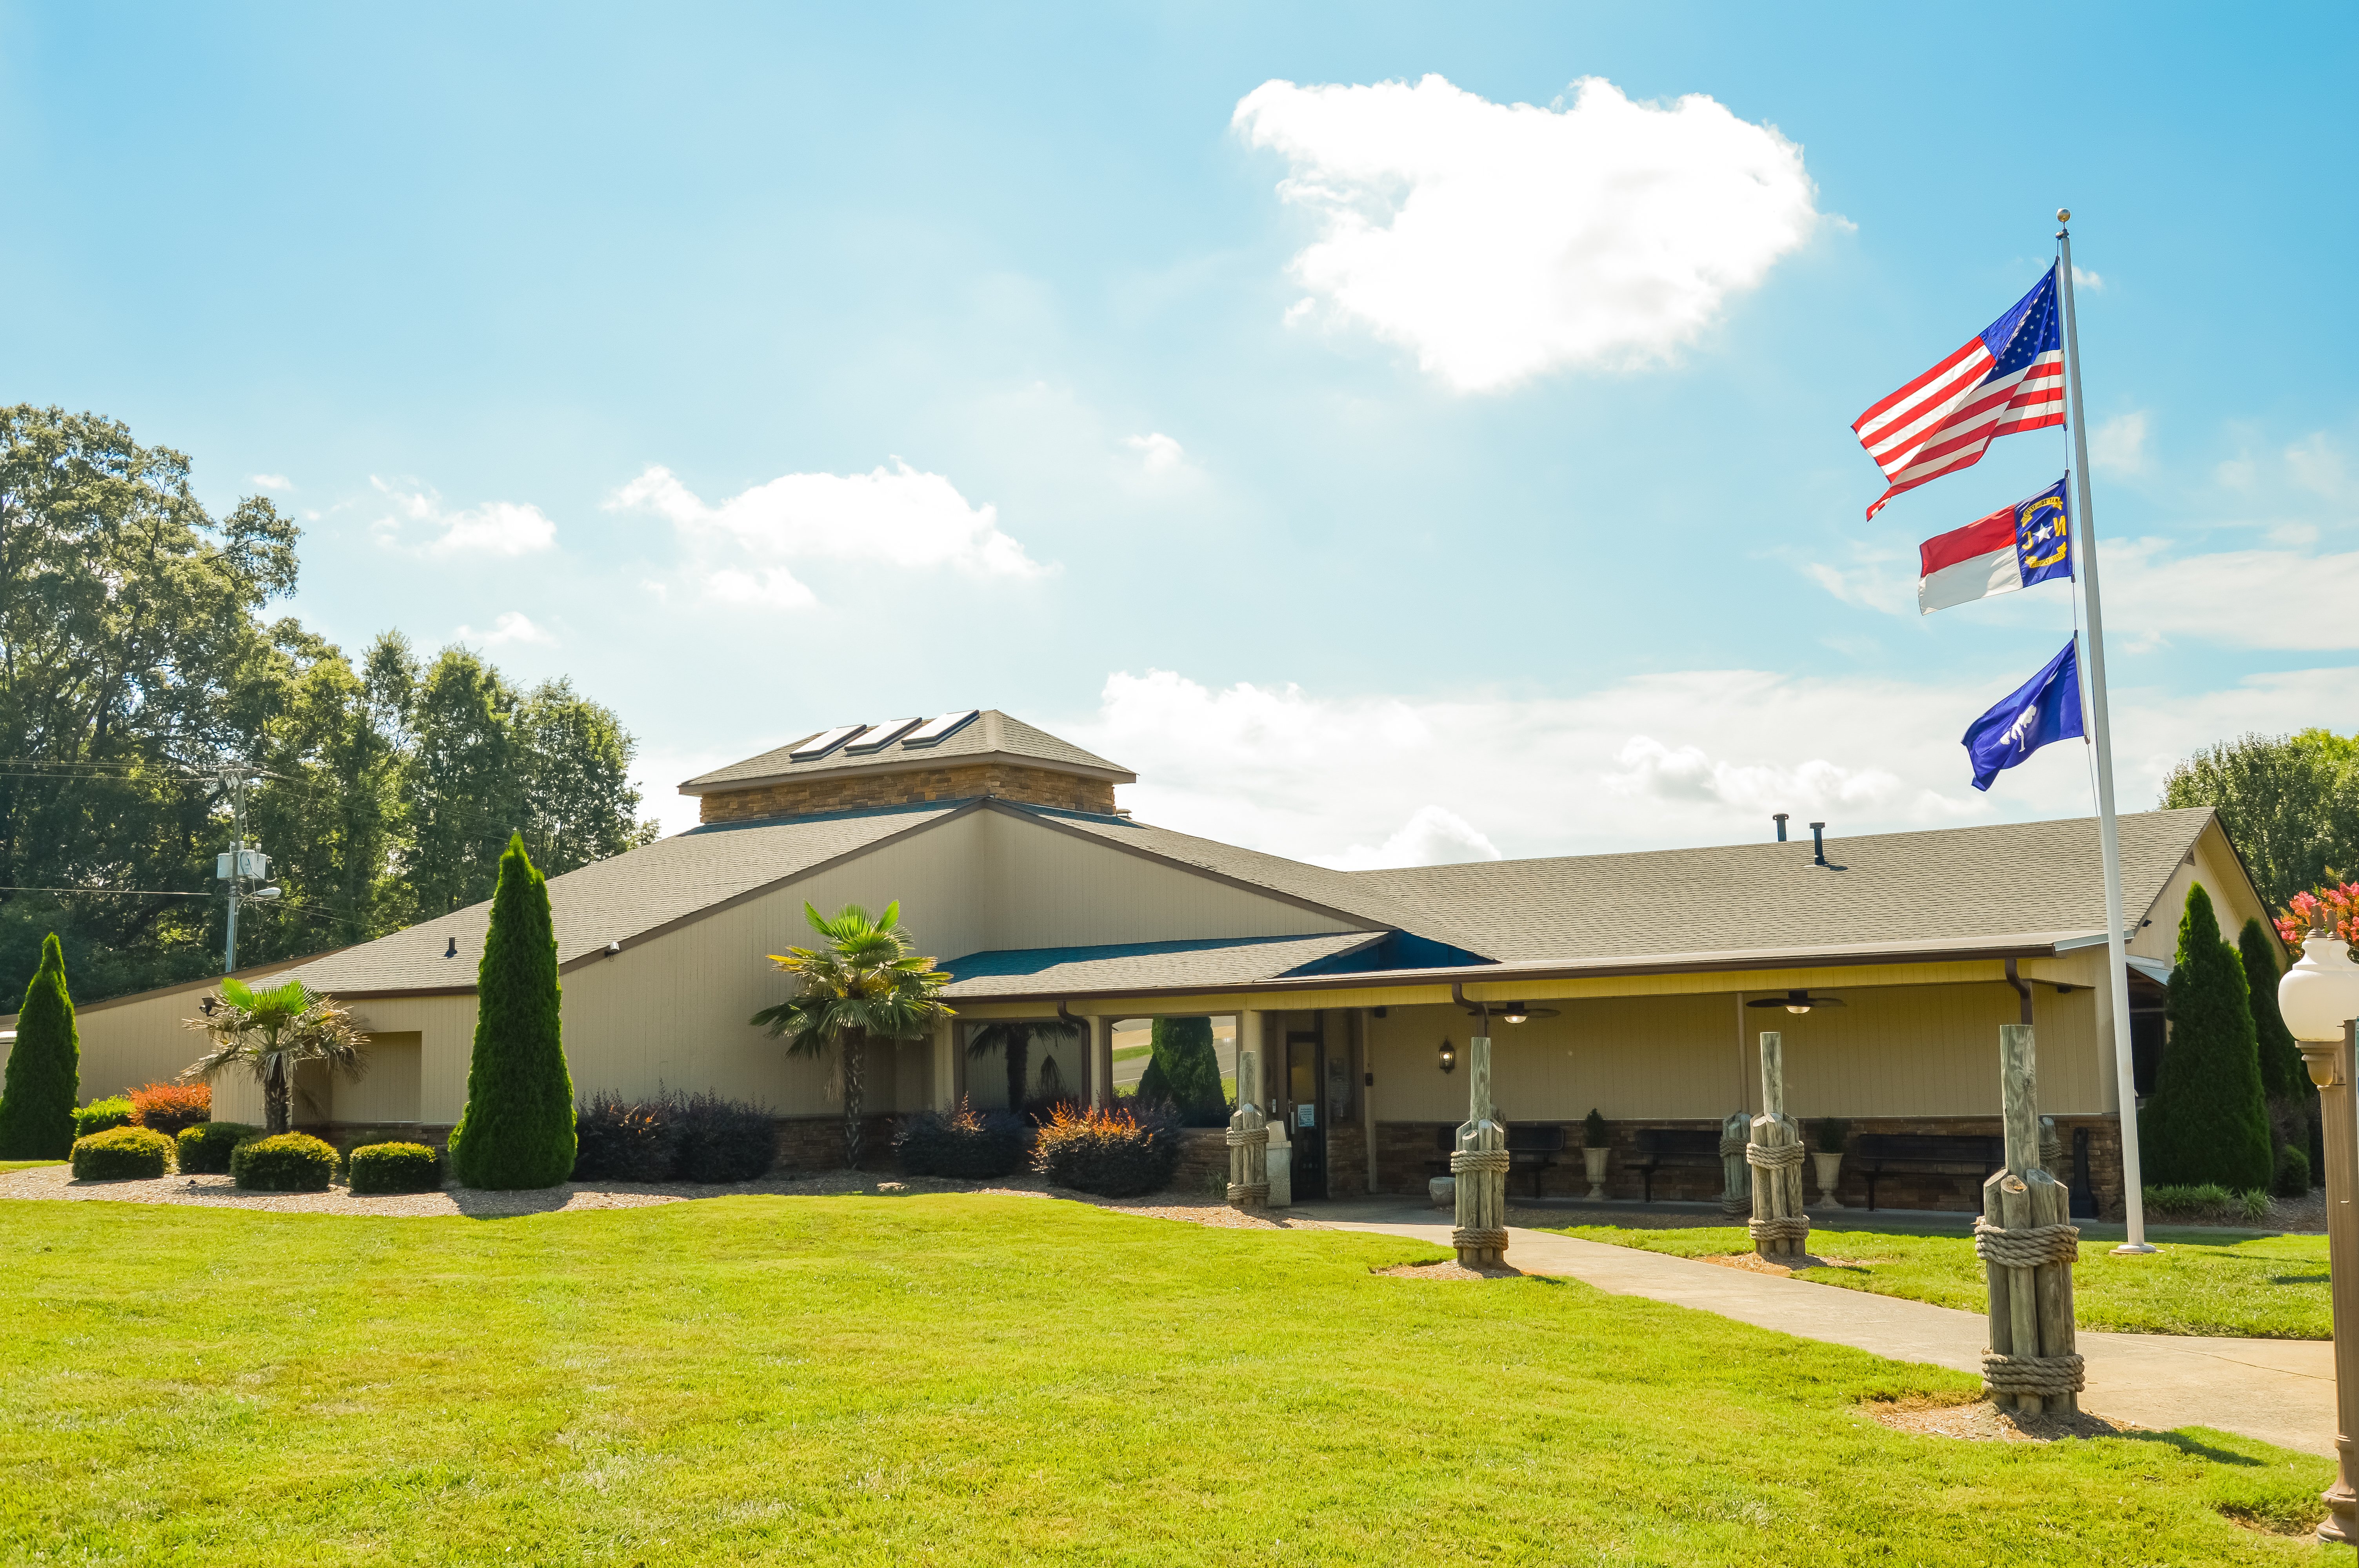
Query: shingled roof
990, 737
625, 899
1940, 884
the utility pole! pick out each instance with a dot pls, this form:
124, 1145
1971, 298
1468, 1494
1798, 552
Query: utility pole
241, 863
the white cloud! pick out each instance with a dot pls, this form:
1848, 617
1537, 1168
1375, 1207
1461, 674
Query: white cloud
513, 626
2284, 598
270, 480
2118, 445
893, 516
1692, 757
497, 528
1502, 241
1875, 580
1157, 453
1433, 836
2083, 278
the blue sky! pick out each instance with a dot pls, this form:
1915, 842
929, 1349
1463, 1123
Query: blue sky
1384, 473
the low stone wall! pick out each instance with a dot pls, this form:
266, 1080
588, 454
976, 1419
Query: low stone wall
816, 1143
1408, 1157
1203, 1161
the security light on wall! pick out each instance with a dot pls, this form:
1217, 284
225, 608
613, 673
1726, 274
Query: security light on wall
1449, 1055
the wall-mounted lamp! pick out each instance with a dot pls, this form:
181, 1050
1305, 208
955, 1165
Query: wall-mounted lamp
1517, 1013
1448, 1056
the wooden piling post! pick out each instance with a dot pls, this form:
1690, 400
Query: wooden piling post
1248, 1141
2028, 1247
1780, 1229
1735, 1175
1480, 1163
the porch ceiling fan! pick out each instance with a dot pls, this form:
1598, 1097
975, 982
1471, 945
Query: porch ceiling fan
1799, 1001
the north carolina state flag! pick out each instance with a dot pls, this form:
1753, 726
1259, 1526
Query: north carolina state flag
2012, 547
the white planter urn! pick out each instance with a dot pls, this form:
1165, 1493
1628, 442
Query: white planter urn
1829, 1168
1595, 1159
1443, 1191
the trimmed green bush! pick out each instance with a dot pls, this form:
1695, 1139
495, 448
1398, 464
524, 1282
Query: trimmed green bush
2207, 1122
2207, 1201
395, 1168
1594, 1132
44, 1080
966, 1143
2293, 1172
100, 1115
1184, 1071
1114, 1153
122, 1153
517, 1127
289, 1162
1830, 1134
205, 1148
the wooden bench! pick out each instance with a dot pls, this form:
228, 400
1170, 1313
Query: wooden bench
1532, 1146
1675, 1148
1874, 1154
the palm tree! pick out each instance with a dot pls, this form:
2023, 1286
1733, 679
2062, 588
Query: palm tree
1016, 1040
863, 985
273, 1033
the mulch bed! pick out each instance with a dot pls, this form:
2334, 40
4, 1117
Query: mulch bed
1449, 1269
1978, 1420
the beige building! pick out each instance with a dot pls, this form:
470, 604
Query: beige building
1632, 984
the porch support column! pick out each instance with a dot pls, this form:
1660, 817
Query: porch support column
945, 1065
1102, 1062
1248, 1136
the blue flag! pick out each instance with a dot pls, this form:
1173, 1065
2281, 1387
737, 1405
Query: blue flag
2045, 708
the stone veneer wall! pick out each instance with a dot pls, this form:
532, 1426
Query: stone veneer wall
853, 790
1407, 1158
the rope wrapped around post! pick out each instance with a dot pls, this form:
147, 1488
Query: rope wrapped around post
1779, 1228
1736, 1179
2042, 1377
2028, 1247
1248, 1143
1480, 1163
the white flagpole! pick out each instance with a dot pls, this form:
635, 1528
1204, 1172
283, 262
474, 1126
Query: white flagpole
2109, 841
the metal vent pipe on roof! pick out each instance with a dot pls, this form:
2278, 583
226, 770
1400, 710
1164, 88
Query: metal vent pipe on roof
1818, 843
1779, 819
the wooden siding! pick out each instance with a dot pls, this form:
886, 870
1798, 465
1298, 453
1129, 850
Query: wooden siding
1919, 1051
389, 1090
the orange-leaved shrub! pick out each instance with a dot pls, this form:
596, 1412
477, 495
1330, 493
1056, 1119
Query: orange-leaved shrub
1114, 1153
171, 1108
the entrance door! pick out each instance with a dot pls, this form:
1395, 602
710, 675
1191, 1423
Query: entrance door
1306, 1071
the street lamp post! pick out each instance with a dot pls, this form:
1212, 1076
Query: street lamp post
2320, 998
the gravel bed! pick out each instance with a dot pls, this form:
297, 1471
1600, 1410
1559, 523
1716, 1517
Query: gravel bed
58, 1182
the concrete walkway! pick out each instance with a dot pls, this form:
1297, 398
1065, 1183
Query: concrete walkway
2279, 1390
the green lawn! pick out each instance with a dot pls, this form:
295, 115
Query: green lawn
8, 1165
1133, 1053
980, 1380
2269, 1287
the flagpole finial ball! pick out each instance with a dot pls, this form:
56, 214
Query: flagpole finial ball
2063, 214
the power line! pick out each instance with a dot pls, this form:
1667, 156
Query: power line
126, 892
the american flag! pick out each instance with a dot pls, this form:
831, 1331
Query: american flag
2008, 378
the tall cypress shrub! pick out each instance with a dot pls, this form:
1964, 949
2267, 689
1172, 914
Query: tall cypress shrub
1184, 1068
517, 1129
36, 1106
2283, 1076
2207, 1119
